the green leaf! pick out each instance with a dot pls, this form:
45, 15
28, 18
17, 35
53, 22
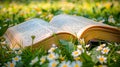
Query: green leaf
19, 64
94, 55
45, 65
69, 46
87, 60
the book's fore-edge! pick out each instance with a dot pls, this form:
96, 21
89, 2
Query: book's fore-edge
100, 32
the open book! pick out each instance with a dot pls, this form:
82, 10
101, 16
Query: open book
65, 27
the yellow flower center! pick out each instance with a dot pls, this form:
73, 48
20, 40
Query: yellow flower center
16, 58
54, 65
105, 50
51, 56
65, 65
76, 65
101, 59
12, 65
76, 52
42, 60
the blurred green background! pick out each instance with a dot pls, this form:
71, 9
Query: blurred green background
13, 12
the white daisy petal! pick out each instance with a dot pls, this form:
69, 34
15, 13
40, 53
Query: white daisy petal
76, 64
34, 61
64, 64
53, 64
102, 59
76, 53
42, 59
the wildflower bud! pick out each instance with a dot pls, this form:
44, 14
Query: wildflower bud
82, 42
33, 37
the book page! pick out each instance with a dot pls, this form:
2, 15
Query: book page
72, 24
22, 33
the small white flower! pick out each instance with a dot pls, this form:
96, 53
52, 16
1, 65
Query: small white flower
53, 45
88, 53
53, 64
99, 48
82, 41
65, 64
52, 56
105, 50
103, 45
87, 45
51, 50
11, 64
102, 59
76, 53
76, 64
111, 19
42, 59
0, 27
18, 52
17, 58
34, 61
79, 47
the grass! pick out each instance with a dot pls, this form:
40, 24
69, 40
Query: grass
15, 12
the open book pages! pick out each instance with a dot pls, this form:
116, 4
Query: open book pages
64, 26
86, 28
21, 33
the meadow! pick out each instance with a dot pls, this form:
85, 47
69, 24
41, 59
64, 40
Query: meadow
69, 54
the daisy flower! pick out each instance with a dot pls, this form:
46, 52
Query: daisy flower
86, 46
53, 64
105, 50
52, 56
101, 59
65, 64
103, 45
99, 48
76, 64
53, 45
111, 19
79, 47
76, 53
88, 53
11, 64
17, 58
52, 49
18, 52
42, 59
82, 41
34, 61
